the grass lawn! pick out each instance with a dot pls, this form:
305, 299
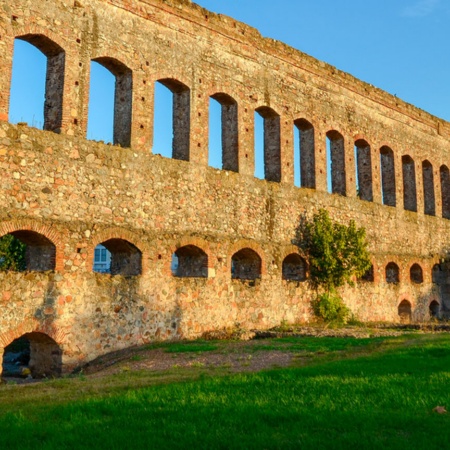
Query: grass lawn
368, 393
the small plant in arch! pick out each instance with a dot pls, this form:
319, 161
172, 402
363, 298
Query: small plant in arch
12, 253
336, 253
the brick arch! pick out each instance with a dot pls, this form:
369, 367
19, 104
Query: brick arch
35, 29
54, 236
202, 244
58, 334
245, 243
118, 233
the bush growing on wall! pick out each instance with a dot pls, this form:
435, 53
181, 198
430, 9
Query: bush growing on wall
335, 253
12, 253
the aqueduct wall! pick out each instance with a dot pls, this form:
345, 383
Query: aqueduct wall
62, 194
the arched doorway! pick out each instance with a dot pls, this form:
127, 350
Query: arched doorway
404, 311
35, 354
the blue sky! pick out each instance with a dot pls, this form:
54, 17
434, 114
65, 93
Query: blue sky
400, 46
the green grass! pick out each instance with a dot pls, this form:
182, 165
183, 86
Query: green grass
377, 394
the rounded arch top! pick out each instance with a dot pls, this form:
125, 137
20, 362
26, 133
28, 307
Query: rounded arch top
115, 66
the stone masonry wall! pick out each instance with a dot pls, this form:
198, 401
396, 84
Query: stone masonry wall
78, 193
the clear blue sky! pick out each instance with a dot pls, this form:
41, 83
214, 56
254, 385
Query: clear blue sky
400, 46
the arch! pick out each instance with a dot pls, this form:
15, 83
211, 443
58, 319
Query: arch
445, 191
35, 351
388, 185
336, 163
416, 274
363, 170
39, 254
434, 309
439, 275
181, 117
369, 275
307, 153
246, 265
229, 131
125, 258
272, 143
392, 273
54, 79
405, 311
294, 268
190, 261
409, 184
123, 99
428, 188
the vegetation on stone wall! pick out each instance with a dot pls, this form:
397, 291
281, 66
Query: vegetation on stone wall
12, 253
336, 253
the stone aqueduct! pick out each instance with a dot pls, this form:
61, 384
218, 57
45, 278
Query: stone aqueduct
62, 194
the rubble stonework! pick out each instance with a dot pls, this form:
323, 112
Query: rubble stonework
66, 194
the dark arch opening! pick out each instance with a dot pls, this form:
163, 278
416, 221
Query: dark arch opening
226, 156
246, 265
392, 273
416, 274
363, 170
404, 311
306, 161
179, 108
27, 250
33, 354
434, 309
125, 258
123, 99
387, 166
409, 184
336, 163
50, 110
445, 191
190, 262
272, 143
369, 275
294, 268
428, 188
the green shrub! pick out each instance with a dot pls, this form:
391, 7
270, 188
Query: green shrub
330, 308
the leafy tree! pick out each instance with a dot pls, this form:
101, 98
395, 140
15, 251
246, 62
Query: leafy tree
335, 254
12, 253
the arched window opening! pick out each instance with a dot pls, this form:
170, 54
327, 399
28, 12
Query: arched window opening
369, 275
305, 163
409, 184
190, 262
45, 81
172, 119
445, 191
294, 268
439, 275
416, 274
33, 354
428, 189
246, 265
434, 309
404, 311
223, 132
124, 258
336, 163
363, 170
387, 176
392, 273
271, 146
121, 96
27, 250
